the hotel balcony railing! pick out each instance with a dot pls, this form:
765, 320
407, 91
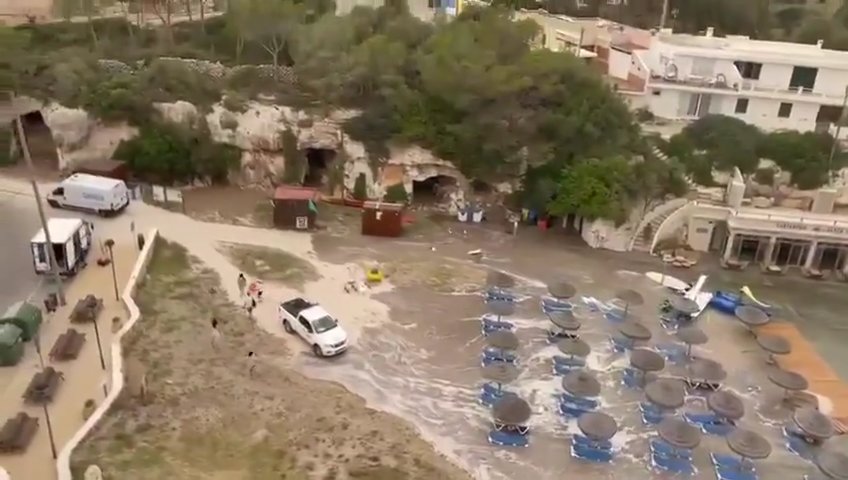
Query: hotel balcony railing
718, 84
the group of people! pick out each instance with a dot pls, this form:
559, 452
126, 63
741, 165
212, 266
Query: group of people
252, 295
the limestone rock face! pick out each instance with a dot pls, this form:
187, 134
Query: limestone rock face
182, 113
70, 127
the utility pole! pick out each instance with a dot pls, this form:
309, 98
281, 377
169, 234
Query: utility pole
842, 118
54, 266
664, 15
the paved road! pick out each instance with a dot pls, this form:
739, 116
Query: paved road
18, 223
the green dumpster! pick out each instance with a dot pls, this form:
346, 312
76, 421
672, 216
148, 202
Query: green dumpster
25, 316
11, 345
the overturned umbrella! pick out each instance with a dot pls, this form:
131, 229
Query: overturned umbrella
683, 305
582, 384
500, 372
500, 308
562, 290
679, 433
788, 380
748, 444
726, 405
833, 464
564, 319
574, 347
502, 340
511, 410
706, 370
814, 423
666, 393
597, 426
751, 316
634, 331
692, 336
500, 280
646, 360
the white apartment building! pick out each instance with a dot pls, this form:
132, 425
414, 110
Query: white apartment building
774, 85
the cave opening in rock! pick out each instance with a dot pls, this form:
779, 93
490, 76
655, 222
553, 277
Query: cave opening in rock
39, 138
318, 161
432, 189
481, 187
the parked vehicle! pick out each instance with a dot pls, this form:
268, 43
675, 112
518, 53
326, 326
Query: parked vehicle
71, 239
314, 325
81, 191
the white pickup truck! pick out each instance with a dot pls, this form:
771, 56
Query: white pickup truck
314, 325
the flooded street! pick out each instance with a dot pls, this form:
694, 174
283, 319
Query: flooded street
425, 364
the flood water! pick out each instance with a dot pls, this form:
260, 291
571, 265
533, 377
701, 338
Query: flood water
425, 364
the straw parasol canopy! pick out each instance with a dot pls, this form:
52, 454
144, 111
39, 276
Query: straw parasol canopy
683, 305
502, 340
634, 331
707, 370
774, 344
630, 297
582, 384
788, 380
666, 393
597, 426
692, 336
564, 319
748, 444
833, 464
511, 410
751, 316
500, 308
574, 347
500, 280
726, 404
562, 290
500, 372
679, 433
646, 360
814, 423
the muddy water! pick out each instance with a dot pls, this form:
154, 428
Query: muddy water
424, 365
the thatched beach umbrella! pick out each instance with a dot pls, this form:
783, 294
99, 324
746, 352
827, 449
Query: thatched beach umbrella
499, 280
502, 340
773, 345
833, 464
562, 290
679, 433
500, 308
748, 444
683, 305
565, 320
511, 410
691, 336
751, 316
597, 426
582, 384
706, 370
634, 331
814, 423
500, 372
629, 297
666, 393
726, 404
646, 360
788, 380
574, 347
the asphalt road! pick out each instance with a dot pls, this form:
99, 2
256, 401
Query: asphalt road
18, 224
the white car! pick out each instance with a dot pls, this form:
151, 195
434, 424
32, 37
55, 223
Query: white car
314, 325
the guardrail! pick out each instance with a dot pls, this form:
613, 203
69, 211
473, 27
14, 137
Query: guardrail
63, 462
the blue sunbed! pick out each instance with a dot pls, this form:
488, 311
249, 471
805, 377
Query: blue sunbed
665, 449
495, 294
555, 337
508, 439
672, 352
726, 461
550, 304
621, 345
490, 355
570, 410
569, 361
588, 403
493, 325
586, 441
562, 369
488, 398
651, 414
590, 453
723, 473
678, 465
633, 378
614, 315
796, 444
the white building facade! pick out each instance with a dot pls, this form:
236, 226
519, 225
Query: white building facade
773, 85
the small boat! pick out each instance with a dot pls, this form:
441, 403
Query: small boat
669, 282
691, 291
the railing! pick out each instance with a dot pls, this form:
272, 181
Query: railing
703, 82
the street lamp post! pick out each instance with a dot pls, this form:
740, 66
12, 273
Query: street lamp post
49, 429
99, 345
54, 266
109, 244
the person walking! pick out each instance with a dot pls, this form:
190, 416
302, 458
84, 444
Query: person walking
251, 362
242, 283
216, 334
250, 305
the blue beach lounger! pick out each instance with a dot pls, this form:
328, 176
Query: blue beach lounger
672, 352
590, 453
587, 403
554, 337
491, 355
503, 438
586, 441
620, 345
663, 448
651, 414
723, 473
796, 444
726, 462
570, 410
495, 294
632, 378
550, 304
491, 324
490, 394
678, 465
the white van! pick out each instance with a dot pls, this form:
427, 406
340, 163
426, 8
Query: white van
81, 191
71, 239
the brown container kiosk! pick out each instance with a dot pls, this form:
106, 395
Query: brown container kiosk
382, 219
295, 207
105, 168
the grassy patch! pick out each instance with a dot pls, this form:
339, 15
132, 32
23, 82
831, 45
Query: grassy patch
271, 264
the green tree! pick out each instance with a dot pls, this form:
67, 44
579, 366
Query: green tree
13, 61
270, 24
804, 155
730, 142
594, 188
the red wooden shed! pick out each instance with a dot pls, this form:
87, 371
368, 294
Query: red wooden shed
295, 207
381, 219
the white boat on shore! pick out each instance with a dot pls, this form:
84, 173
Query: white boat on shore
691, 291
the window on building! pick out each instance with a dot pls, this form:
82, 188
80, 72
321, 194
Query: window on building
749, 70
699, 105
785, 110
803, 77
741, 105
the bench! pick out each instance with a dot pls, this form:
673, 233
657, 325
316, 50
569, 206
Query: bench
87, 309
67, 346
17, 433
43, 386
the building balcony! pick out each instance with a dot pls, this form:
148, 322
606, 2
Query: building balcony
746, 89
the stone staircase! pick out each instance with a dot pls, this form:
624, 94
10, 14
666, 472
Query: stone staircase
642, 244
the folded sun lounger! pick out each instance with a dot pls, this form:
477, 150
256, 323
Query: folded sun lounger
490, 355
492, 325
554, 337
